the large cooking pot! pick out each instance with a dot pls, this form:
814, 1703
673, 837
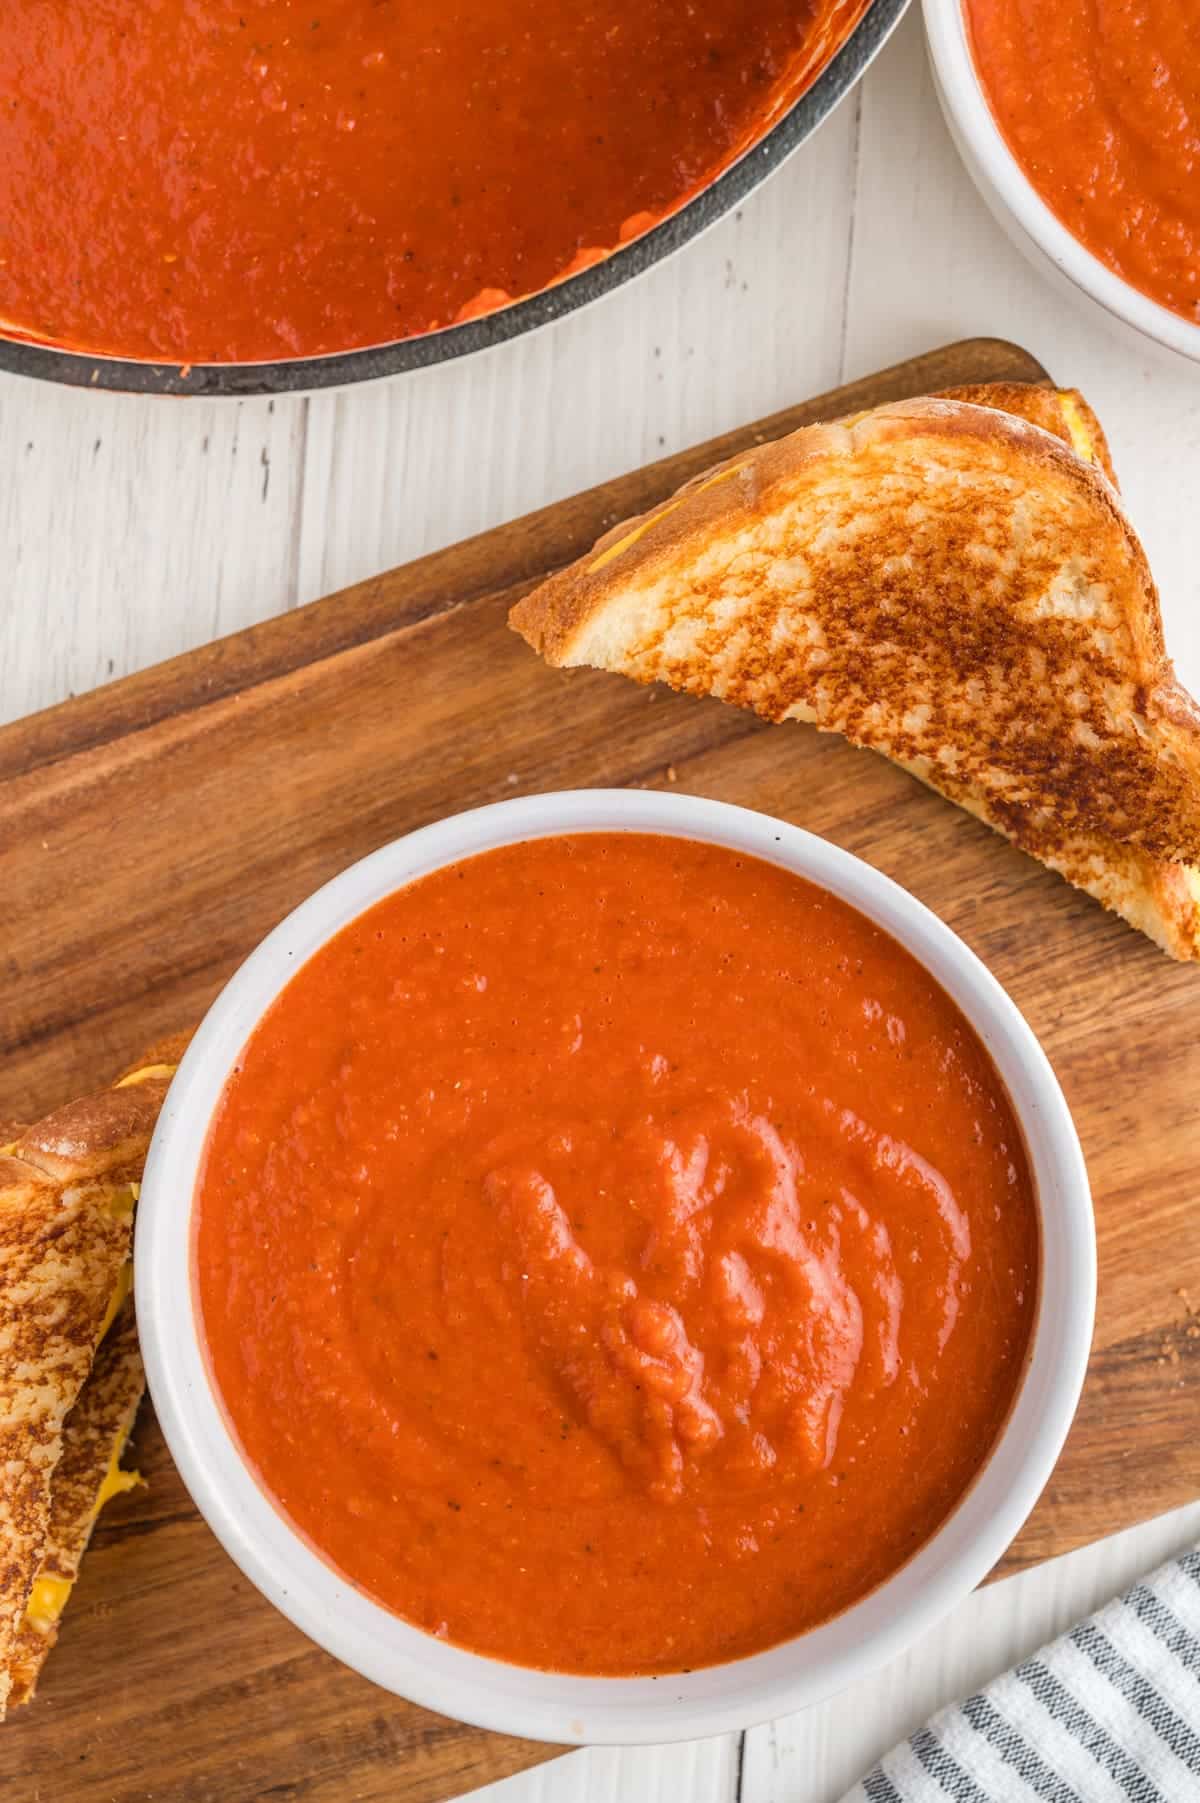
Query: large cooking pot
726, 190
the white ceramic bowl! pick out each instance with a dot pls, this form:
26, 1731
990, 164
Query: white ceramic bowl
546, 1705
1015, 202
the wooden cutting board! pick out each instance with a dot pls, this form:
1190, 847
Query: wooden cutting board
151, 832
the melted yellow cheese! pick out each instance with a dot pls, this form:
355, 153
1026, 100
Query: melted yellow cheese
148, 1071
1081, 438
47, 1600
116, 1482
631, 538
121, 1289
120, 1202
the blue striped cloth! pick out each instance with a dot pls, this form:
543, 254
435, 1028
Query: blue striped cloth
1108, 1714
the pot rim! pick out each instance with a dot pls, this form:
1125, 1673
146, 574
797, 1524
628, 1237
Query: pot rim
298, 375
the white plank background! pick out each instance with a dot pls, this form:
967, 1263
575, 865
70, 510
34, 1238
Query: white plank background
133, 529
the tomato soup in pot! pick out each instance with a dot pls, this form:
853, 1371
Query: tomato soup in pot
223, 181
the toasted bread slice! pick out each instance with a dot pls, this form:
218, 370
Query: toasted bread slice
1062, 412
87, 1475
947, 584
61, 1255
1160, 898
67, 1191
101, 1137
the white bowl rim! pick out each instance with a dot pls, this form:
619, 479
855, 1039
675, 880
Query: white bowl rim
554, 1706
965, 97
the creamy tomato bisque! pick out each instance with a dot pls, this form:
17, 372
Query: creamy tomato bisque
244, 180
1100, 105
615, 1255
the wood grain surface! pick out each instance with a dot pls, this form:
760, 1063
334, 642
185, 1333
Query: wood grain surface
151, 832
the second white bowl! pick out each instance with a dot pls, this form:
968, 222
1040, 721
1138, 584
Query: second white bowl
548, 1705
1016, 204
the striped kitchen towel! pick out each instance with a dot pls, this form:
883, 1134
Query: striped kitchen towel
1108, 1714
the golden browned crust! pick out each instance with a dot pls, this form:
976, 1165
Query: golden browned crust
66, 1214
100, 1136
1061, 411
944, 583
1159, 898
168, 1052
61, 1251
95, 1432
96, 1429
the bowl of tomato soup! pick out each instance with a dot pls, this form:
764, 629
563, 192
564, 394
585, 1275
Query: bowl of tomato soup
203, 196
613, 1266
1080, 125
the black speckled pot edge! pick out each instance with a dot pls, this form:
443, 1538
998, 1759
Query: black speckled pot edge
298, 375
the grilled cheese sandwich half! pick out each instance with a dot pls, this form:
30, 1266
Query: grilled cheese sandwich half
70, 1374
61, 1256
950, 582
87, 1476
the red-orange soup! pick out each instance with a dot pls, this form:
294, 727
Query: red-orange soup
1100, 104
614, 1254
240, 180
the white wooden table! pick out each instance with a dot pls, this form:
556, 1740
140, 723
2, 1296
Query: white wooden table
133, 529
